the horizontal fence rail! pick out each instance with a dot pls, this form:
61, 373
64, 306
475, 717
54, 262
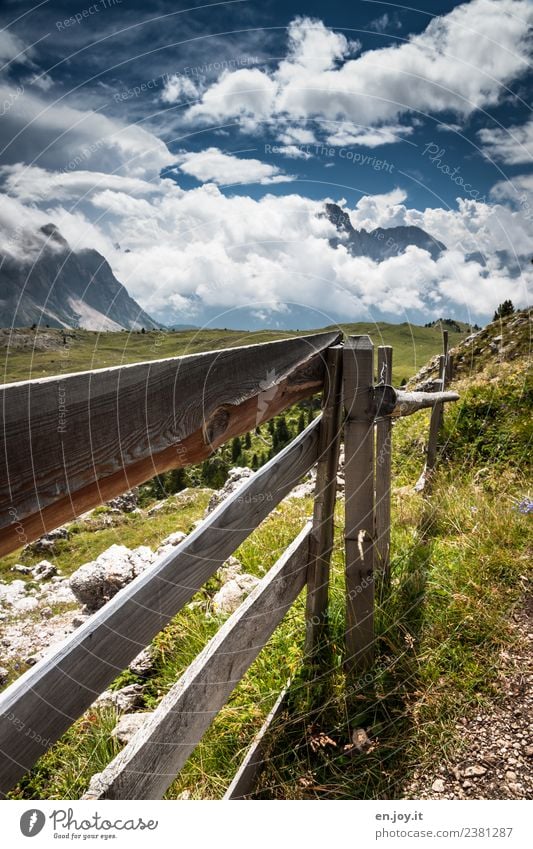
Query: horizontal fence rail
74, 441
125, 425
149, 763
56, 691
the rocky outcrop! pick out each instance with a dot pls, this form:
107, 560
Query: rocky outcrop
233, 593
96, 582
236, 477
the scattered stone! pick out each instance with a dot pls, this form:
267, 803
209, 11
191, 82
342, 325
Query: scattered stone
124, 699
438, 786
510, 775
95, 583
44, 570
79, 619
236, 477
18, 597
125, 503
47, 612
185, 795
160, 505
174, 538
144, 663
170, 542
229, 570
4, 675
305, 489
58, 592
128, 725
233, 593
474, 771
22, 570
361, 740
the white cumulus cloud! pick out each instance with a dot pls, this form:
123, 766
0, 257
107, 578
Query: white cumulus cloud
212, 165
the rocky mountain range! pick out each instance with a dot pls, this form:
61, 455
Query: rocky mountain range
48, 283
381, 243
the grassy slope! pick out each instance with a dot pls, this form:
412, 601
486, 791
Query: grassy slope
413, 346
459, 565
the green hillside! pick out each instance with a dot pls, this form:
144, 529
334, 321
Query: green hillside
26, 354
460, 569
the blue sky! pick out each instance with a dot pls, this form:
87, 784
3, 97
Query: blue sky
193, 145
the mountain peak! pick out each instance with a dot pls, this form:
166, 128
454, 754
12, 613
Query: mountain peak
51, 231
382, 242
66, 288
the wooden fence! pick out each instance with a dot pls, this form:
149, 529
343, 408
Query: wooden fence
120, 426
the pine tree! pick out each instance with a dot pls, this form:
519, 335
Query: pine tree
236, 449
282, 432
301, 422
248, 440
506, 308
255, 462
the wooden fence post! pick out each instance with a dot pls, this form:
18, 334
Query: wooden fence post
383, 477
435, 421
359, 501
321, 542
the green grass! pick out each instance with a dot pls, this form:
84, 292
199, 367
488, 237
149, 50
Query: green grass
87, 349
89, 538
460, 564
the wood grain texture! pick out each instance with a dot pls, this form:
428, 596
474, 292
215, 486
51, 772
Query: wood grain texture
57, 690
245, 779
149, 763
398, 402
435, 422
321, 544
359, 501
72, 442
383, 478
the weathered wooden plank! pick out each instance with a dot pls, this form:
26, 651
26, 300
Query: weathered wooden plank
149, 763
383, 477
245, 779
435, 423
52, 694
359, 501
321, 544
73, 441
397, 402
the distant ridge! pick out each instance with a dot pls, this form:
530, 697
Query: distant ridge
48, 283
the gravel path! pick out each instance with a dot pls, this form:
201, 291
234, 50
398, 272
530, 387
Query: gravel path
496, 758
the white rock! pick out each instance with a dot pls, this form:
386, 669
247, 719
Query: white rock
128, 725
169, 543
233, 593
144, 662
124, 699
474, 771
174, 538
95, 583
58, 593
438, 786
229, 570
44, 570
16, 595
236, 477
